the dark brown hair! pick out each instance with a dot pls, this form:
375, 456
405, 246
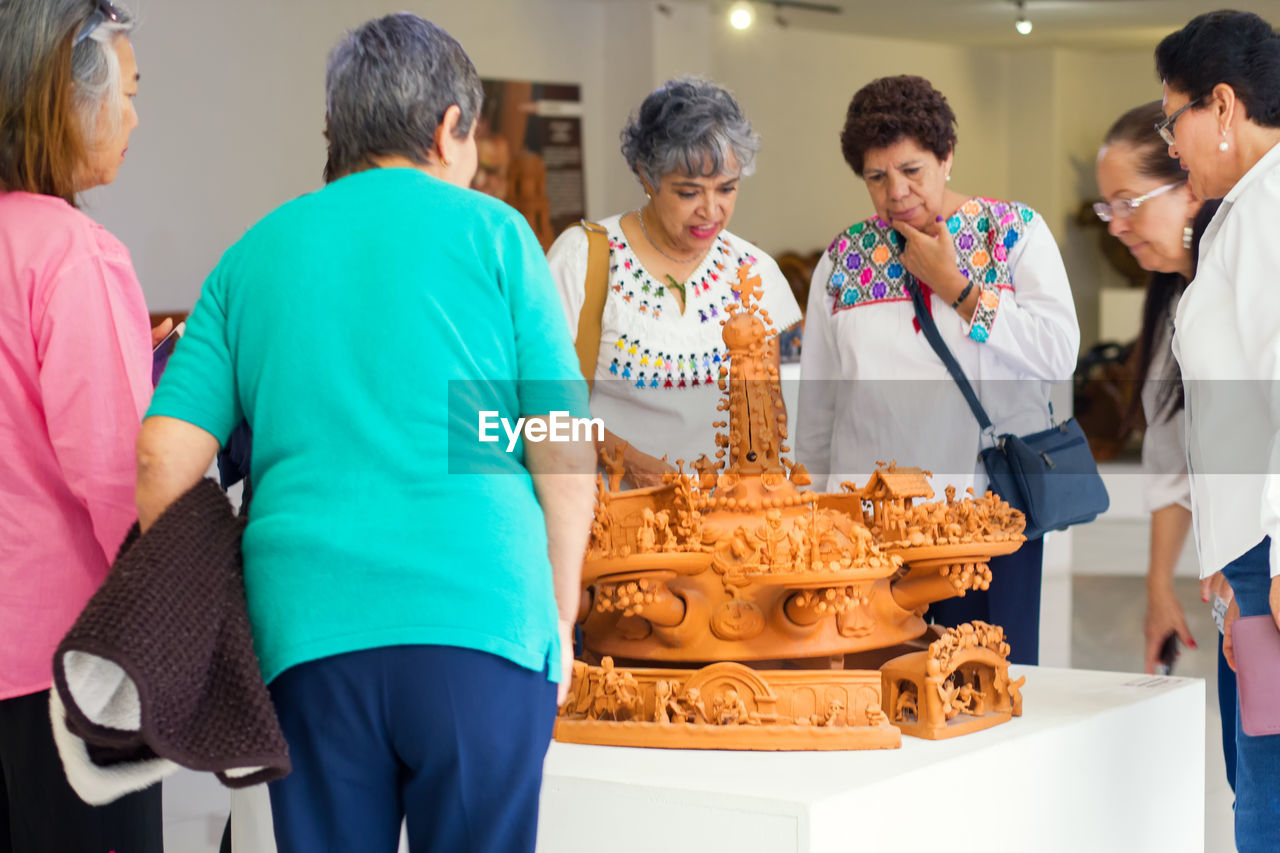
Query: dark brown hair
1157, 314
1136, 128
893, 108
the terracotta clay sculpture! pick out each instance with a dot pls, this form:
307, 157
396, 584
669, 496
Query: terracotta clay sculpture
726, 706
958, 685
708, 584
612, 463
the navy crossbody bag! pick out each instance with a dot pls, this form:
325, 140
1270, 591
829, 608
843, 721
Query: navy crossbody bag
1050, 476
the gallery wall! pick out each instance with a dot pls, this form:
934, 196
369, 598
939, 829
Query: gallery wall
232, 111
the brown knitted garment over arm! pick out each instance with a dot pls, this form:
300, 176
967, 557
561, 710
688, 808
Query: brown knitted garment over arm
172, 615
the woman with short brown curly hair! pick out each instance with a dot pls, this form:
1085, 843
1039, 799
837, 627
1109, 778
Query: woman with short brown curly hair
992, 281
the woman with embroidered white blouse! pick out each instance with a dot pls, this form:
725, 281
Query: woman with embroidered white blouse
873, 389
673, 268
1221, 76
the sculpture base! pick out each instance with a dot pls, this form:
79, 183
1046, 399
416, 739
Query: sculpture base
959, 684
773, 738
725, 706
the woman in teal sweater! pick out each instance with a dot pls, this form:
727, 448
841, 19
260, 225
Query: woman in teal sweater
412, 588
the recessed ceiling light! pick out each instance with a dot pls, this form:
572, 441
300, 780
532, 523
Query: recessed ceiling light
741, 17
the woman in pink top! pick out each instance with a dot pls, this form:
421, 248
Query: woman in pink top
74, 382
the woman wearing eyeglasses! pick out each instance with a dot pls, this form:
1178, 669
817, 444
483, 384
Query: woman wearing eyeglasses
75, 379
1149, 207
998, 294
1221, 76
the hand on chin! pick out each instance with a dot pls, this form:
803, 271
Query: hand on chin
915, 217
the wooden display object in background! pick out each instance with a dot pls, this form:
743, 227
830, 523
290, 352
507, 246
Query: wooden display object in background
528, 194
733, 560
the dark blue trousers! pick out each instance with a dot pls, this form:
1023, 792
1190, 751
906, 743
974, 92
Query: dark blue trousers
1012, 602
449, 739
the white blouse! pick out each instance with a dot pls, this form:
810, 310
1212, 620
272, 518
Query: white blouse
655, 380
873, 390
1227, 341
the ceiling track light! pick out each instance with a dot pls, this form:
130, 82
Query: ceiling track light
742, 15
1022, 24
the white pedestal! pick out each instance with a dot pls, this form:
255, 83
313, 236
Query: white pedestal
1100, 761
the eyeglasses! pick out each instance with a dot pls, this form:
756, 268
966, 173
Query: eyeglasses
1123, 208
102, 11
1165, 128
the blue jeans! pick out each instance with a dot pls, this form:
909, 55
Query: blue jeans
1257, 758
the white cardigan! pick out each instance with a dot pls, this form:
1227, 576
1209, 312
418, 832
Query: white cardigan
1227, 340
873, 390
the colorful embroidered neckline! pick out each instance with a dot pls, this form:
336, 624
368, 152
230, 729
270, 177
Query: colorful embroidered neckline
709, 292
633, 283
867, 268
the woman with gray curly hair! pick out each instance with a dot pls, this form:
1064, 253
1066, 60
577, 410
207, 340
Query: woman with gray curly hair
75, 379
411, 645
672, 274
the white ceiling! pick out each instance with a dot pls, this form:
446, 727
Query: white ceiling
1076, 23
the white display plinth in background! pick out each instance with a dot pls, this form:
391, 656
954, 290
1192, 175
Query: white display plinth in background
1099, 762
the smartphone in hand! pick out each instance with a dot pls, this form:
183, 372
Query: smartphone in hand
1168, 655
160, 354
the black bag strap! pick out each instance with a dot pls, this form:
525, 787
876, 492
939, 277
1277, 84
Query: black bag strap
930, 330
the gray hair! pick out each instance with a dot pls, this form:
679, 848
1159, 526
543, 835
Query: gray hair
688, 125
32, 32
387, 88
95, 68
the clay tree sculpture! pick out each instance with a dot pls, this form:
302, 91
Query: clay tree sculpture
705, 585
